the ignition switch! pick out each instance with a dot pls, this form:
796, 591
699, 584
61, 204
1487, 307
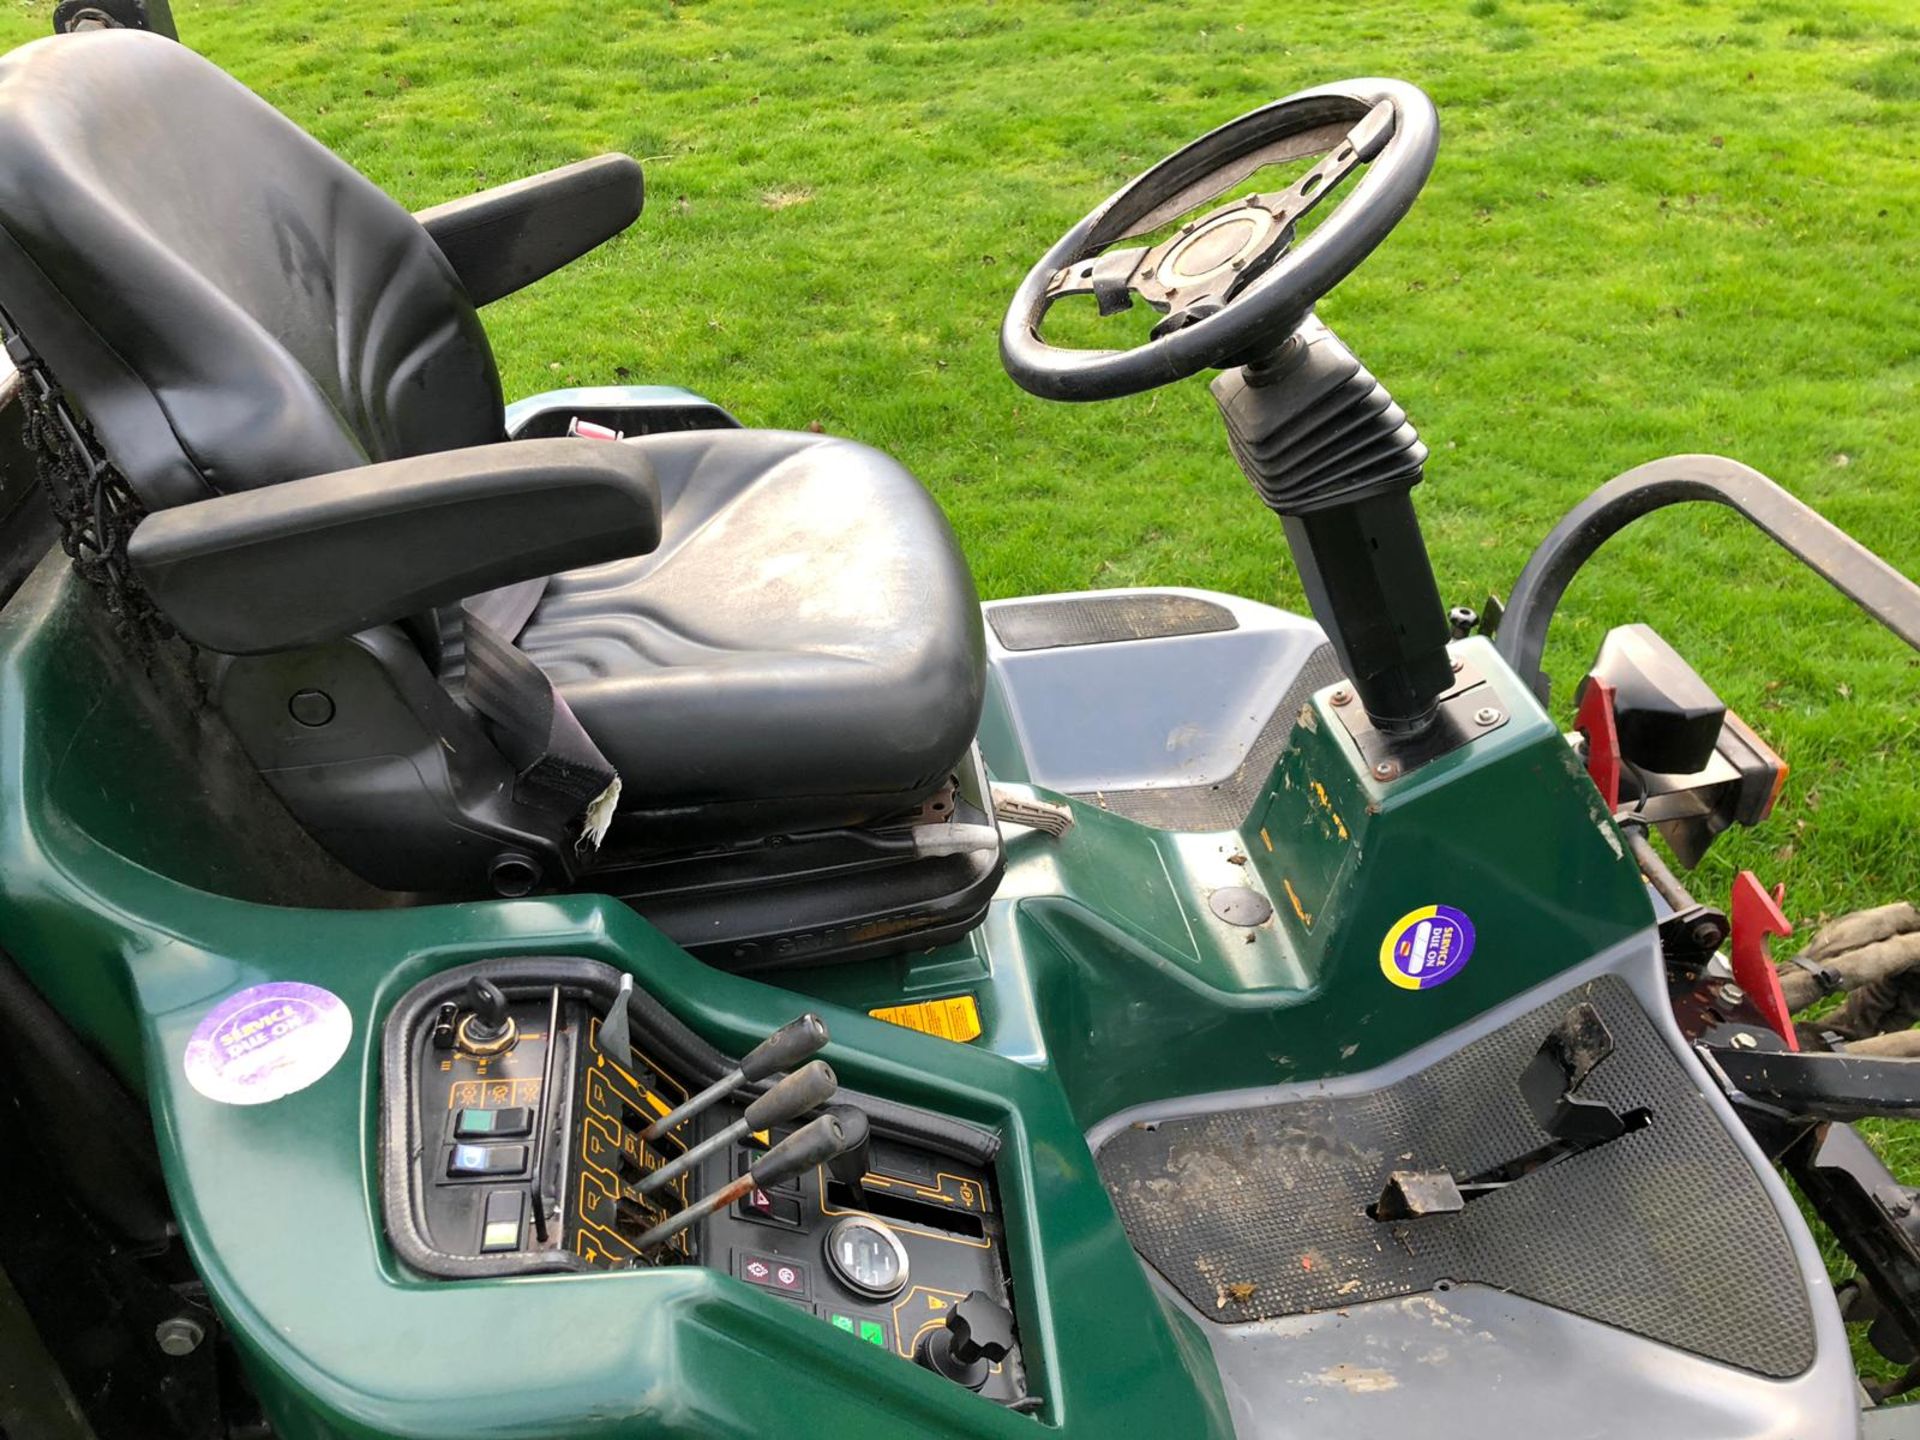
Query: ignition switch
486, 1028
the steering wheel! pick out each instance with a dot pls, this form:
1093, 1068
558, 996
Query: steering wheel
1229, 284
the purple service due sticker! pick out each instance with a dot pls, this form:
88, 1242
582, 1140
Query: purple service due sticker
267, 1041
1427, 947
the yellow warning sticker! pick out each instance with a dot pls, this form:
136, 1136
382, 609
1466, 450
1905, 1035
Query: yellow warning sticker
955, 1018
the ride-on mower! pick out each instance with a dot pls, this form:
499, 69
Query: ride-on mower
569, 918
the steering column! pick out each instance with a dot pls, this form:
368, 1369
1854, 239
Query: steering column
1317, 435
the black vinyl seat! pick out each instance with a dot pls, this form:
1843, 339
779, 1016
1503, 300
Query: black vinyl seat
762, 632
802, 650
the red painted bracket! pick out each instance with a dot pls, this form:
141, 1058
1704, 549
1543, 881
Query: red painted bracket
1756, 915
1595, 721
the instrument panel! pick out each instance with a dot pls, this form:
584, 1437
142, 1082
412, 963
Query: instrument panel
538, 1132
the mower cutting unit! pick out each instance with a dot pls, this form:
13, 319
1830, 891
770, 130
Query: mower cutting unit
571, 919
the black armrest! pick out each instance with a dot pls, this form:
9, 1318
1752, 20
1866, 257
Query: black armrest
310, 560
511, 235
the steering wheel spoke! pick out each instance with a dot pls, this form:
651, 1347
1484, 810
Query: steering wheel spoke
1109, 278
1299, 198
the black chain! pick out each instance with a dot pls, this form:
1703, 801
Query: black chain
92, 501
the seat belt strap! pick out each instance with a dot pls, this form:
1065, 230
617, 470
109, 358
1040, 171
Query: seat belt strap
559, 767
507, 609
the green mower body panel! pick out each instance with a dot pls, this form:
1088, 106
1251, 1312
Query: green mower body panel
1102, 978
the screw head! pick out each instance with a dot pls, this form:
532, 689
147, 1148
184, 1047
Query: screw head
1342, 696
1386, 770
1458, 664
179, 1335
1745, 1041
1486, 715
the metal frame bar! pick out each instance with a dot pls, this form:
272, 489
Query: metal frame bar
1839, 559
1815, 1086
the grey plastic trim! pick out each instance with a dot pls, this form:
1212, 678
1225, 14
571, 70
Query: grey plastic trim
1167, 712
1474, 1362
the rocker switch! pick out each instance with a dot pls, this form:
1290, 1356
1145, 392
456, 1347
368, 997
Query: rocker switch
493, 1124
487, 1160
500, 1226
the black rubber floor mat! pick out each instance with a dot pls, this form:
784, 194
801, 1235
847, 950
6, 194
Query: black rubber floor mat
1665, 1232
1104, 619
1224, 804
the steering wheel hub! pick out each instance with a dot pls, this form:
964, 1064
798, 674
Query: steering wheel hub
1223, 244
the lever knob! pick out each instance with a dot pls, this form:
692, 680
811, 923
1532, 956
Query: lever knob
810, 1086
979, 1331
812, 1144
785, 1048
850, 1166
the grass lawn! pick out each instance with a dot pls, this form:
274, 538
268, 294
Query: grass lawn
1654, 227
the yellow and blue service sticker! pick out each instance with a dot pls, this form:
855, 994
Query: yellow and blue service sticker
1427, 947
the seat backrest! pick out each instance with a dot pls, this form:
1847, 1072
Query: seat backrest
228, 303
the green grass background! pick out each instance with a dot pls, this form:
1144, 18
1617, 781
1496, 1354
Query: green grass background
1655, 226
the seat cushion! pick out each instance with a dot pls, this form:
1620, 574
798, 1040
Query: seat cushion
803, 651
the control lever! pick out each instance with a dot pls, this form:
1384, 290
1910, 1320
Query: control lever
487, 1028
807, 1088
616, 1031
850, 1166
978, 1332
812, 1144
782, 1050
1573, 1122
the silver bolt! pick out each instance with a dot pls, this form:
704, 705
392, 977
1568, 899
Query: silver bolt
1342, 696
1386, 770
179, 1335
1486, 715
1732, 995
1743, 1041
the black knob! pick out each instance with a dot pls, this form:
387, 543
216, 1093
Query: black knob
979, 1331
981, 1326
850, 1166
489, 1007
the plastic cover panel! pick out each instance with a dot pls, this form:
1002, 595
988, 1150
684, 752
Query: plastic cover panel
1225, 804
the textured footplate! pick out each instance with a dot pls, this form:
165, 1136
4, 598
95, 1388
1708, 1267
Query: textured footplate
1666, 1232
